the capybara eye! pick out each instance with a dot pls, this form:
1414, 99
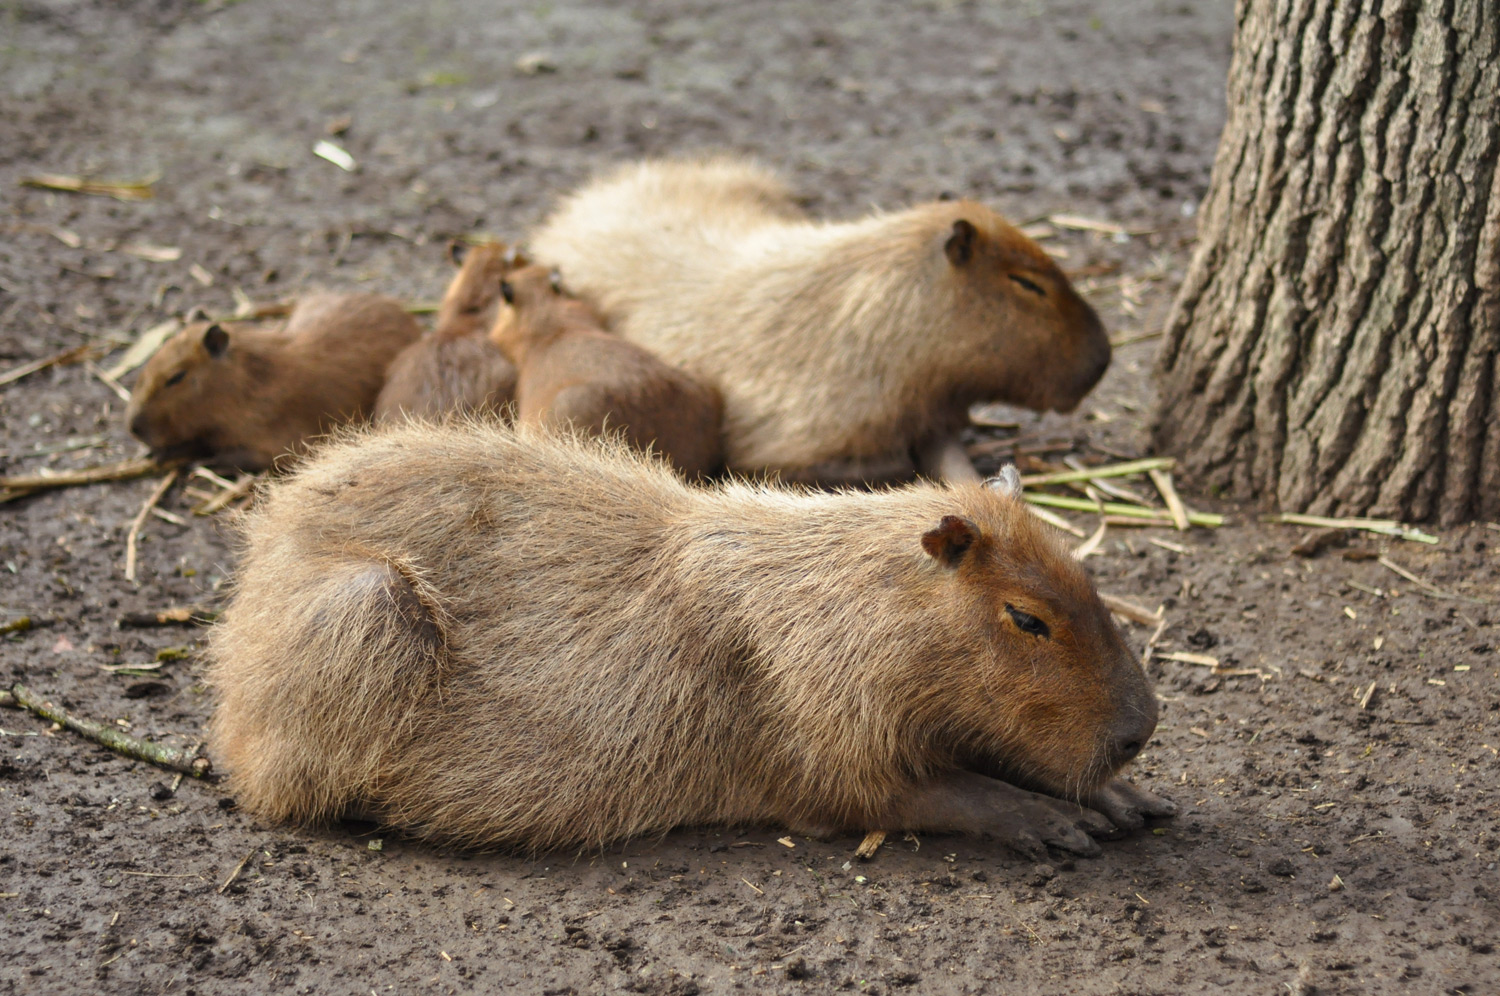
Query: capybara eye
1028, 623
1028, 284
176, 378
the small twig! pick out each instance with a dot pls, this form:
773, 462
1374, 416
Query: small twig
162, 755
73, 355
1131, 340
1130, 610
1163, 481
1430, 589
231, 492
23, 484
1092, 473
1385, 527
1364, 700
120, 190
132, 538
1091, 544
182, 615
1056, 521
237, 869
107, 380
752, 885
870, 844
1210, 519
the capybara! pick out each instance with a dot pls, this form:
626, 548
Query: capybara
503, 637
457, 369
577, 377
243, 395
843, 351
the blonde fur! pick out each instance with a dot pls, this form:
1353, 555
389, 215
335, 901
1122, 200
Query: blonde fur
496, 637
456, 369
832, 343
245, 395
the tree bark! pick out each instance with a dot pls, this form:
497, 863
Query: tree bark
1334, 345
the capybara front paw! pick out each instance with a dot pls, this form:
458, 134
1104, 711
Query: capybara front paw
1129, 806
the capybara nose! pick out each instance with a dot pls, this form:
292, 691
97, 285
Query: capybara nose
138, 425
1131, 731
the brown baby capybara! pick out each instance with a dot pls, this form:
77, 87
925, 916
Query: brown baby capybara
574, 375
497, 637
844, 351
457, 369
243, 395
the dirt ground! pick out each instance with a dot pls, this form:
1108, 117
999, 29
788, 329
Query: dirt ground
1339, 827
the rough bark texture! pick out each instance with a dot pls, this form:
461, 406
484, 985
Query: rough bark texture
1334, 345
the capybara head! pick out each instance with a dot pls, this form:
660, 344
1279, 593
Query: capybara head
187, 391
1055, 347
472, 298
1059, 701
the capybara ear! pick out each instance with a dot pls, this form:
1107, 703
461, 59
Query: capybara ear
950, 540
960, 245
513, 258
508, 292
1007, 482
216, 340
458, 249
555, 278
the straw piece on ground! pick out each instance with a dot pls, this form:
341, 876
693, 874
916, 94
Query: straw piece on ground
1091, 544
67, 356
1161, 516
1427, 588
1163, 481
144, 347
1385, 527
132, 538
870, 844
125, 470
1093, 473
1184, 657
162, 755
120, 190
107, 380
1057, 521
1127, 609
230, 493
181, 615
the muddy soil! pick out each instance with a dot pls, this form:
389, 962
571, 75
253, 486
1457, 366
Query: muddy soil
1337, 781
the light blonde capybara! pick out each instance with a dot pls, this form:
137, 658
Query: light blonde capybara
243, 395
457, 369
844, 351
575, 375
497, 637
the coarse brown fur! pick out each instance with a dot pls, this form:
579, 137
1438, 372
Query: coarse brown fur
503, 637
856, 345
244, 395
573, 373
457, 369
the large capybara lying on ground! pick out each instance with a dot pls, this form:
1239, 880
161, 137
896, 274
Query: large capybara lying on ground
495, 637
844, 352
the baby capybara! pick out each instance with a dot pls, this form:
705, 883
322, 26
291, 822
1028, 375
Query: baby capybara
242, 395
457, 369
575, 376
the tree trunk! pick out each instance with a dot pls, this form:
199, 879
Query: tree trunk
1334, 346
